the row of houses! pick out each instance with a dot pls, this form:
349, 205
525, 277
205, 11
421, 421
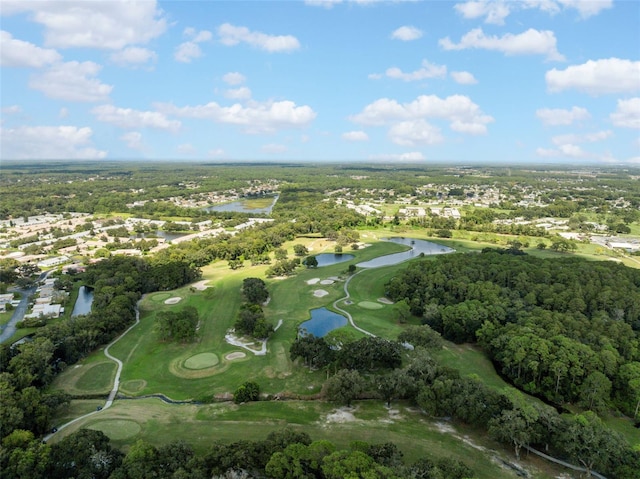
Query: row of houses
47, 304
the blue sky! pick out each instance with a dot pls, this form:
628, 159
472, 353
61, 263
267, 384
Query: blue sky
530, 81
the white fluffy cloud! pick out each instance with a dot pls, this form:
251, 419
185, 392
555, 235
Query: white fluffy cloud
587, 8
611, 75
558, 116
133, 56
627, 113
406, 33
48, 142
567, 150
464, 78
187, 51
463, 115
428, 70
231, 35
129, 118
355, 136
18, 53
234, 78
573, 138
104, 24
242, 93
415, 132
255, 117
530, 42
72, 81
495, 11
133, 140
11, 109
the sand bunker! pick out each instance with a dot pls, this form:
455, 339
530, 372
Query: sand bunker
385, 301
327, 281
313, 281
319, 293
174, 300
201, 285
235, 355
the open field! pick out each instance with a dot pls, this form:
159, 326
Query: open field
150, 419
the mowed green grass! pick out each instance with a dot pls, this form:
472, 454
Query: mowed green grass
92, 376
411, 431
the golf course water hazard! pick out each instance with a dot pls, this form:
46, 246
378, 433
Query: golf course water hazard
322, 321
418, 247
326, 259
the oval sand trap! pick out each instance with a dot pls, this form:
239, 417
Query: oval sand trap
235, 355
319, 293
174, 300
117, 429
369, 305
201, 361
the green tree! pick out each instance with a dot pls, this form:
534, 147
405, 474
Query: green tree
246, 392
310, 262
345, 386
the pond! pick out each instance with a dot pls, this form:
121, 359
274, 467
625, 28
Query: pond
418, 247
244, 206
322, 321
326, 259
84, 301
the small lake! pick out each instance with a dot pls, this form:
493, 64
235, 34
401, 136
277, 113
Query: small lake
322, 321
326, 259
418, 247
243, 206
84, 301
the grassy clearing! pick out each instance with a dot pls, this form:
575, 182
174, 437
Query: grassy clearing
624, 426
471, 361
414, 434
5, 317
89, 377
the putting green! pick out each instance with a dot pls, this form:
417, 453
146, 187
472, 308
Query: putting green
117, 429
159, 297
370, 305
201, 361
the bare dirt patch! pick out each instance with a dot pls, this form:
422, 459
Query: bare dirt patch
174, 300
235, 355
319, 293
341, 415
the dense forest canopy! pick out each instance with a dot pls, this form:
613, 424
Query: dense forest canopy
553, 326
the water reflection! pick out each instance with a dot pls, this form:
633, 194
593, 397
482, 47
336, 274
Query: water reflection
418, 247
322, 321
84, 301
